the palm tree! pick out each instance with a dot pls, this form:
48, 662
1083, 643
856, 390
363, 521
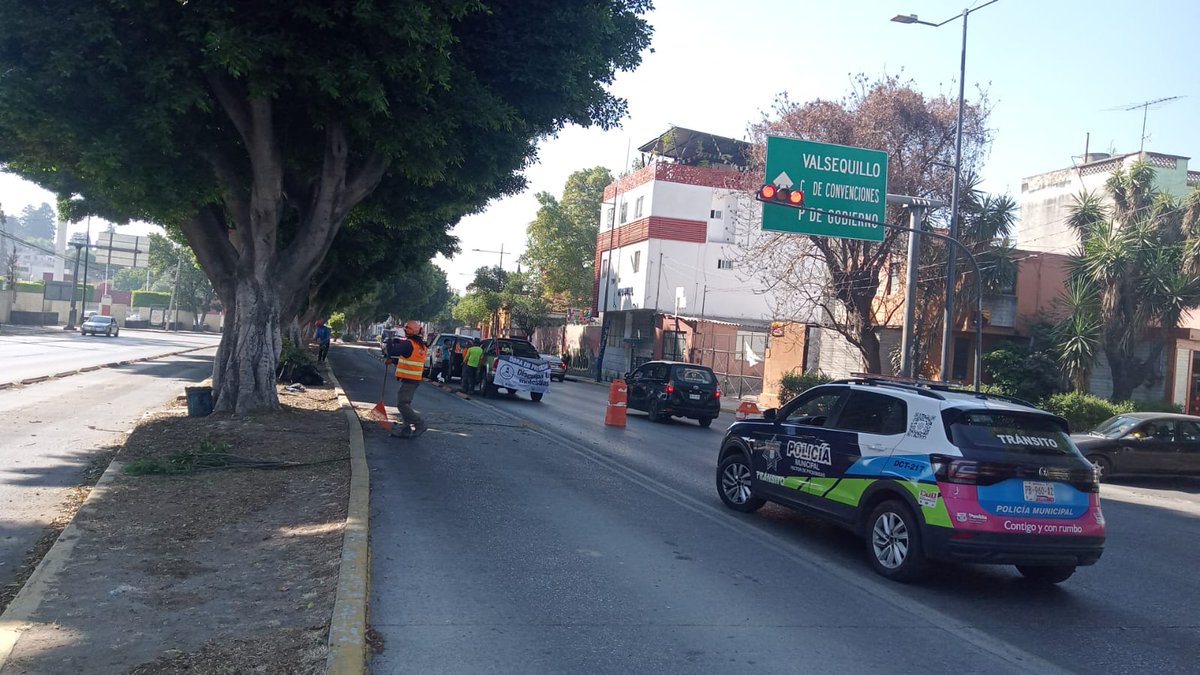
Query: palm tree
1131, 280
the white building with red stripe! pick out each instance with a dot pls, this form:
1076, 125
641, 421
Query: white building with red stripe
669, 239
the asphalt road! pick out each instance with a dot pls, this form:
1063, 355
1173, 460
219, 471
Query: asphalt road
522, 536
50, 431
30, 355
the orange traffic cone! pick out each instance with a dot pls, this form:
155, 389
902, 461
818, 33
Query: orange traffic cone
746, 409
614, 416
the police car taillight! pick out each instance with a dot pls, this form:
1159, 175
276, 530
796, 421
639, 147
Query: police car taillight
954, 469
669, 389
717, 394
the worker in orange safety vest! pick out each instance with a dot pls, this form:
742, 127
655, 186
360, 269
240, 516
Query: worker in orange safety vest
410, 363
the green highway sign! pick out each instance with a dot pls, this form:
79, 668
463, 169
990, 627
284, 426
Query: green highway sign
838, 179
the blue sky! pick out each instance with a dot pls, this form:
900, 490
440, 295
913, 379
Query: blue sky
1052, 69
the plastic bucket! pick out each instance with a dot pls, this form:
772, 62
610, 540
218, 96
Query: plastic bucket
199, 401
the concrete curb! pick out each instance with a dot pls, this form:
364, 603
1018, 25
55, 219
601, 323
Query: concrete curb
18, 617
88, 369
348, 625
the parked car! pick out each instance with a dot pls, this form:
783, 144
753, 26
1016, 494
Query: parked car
442, 346
493, 349
1143, 443
97, 324
923, 472
666, 389
558, 367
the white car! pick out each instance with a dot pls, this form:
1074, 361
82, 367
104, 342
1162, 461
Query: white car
97, 324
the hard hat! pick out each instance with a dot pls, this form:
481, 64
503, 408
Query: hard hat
320, 322
412, 327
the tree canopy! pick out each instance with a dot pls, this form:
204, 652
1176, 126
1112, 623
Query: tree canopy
917, 132
258, 128
562, 237
1131, 281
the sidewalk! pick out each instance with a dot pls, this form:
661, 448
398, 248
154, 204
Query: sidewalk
16, 329
209, 545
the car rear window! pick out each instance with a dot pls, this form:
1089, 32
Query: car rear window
693, 375
992, 432
524, 350
101, 319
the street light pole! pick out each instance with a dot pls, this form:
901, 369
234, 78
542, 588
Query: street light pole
948, 309
501, 252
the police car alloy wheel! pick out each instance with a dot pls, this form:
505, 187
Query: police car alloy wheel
733, 484
1103, 467
894, 542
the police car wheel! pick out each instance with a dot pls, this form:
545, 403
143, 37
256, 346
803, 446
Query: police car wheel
1046, 574
705, 422
733, 484
894, 542
535, 395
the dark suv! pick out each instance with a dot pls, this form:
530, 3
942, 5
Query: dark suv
667, 389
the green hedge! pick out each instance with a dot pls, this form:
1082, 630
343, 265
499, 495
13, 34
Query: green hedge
151, 299
1085, 411
30, 287
793, 383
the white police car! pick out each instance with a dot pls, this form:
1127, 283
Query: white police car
923, 472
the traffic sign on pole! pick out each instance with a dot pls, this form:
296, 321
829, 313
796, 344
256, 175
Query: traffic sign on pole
835, 180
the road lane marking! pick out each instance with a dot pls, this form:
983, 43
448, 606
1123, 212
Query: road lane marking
873, 587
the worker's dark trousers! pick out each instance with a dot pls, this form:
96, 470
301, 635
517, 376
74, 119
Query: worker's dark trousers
404, 397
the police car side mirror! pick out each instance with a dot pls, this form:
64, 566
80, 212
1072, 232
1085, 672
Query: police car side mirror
770, 414
626, 376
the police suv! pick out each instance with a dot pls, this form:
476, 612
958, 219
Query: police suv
923, 472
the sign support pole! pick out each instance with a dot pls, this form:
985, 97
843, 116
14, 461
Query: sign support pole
915, 216
974, 265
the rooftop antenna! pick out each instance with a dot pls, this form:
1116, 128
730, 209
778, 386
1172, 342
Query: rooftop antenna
1145, 106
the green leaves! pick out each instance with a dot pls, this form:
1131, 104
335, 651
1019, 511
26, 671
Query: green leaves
1131, 281
561, 244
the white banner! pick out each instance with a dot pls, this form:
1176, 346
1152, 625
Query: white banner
522, 374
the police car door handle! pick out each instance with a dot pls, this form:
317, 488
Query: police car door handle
876, 446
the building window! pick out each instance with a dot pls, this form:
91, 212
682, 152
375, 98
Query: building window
611, 214
715, 214
724, 264
674, 345
637, 260
624, 211
637, 207
604, 267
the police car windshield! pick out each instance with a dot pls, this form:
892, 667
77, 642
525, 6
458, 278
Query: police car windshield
1009, 433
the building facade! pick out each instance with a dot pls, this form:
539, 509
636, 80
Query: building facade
669, 270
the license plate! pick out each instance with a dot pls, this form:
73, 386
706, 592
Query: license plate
694, 397
1039, 492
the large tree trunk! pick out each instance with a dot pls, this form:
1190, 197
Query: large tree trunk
245, 379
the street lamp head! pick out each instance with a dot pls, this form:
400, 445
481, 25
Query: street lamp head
905, 18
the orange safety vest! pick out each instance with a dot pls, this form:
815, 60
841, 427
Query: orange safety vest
410, 368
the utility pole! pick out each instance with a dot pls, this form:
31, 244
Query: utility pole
174, 304
74, 285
